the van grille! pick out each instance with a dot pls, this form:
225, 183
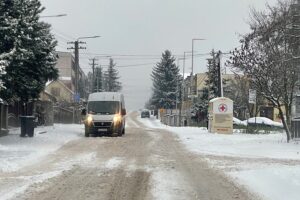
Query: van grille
102, 124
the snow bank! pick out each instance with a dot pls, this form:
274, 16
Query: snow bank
18, 152
238, 145
239, 122
262, 120
272, 182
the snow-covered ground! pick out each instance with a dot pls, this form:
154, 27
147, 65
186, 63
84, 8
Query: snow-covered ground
266, 164
18, 152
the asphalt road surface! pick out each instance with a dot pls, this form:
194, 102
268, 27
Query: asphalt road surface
143, 164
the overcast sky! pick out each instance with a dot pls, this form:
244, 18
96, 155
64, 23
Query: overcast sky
136, 32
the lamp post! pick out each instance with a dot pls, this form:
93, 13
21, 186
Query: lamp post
183, 72
184, 53
192, 89
180, 110
192, 73
195, 39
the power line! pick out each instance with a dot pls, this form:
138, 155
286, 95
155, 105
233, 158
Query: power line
70, 38
118, 66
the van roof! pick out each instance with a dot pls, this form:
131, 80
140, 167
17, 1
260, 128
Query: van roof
105, 96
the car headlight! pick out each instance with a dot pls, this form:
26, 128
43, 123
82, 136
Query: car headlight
117, 118
89, 119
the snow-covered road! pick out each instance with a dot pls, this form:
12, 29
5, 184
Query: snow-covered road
146, 163
154, 161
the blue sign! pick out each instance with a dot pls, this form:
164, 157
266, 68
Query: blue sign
76, 97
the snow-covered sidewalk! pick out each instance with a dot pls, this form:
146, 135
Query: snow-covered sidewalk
265, 164
18, 152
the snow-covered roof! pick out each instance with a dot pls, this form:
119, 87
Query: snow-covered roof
65, 78
48, 83
239, 122
64, 85
220, 98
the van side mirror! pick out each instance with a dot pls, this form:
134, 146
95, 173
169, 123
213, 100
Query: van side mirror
83, 111
123, 112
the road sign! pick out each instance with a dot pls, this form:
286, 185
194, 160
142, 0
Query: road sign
252, 96
76, 97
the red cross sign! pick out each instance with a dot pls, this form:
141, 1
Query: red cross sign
222, 107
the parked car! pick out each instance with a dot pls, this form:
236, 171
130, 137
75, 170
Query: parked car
145, 114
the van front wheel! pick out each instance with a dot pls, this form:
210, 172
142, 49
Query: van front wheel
86, 131
120, 133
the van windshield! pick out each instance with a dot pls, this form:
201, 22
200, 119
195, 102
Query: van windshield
103, 107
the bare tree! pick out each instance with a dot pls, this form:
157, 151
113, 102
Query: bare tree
267, 59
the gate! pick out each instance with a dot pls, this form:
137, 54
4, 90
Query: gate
295, 129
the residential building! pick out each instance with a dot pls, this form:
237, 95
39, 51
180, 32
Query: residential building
63, 110
66, 66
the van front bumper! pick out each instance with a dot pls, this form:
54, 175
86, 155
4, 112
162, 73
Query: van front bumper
104, 128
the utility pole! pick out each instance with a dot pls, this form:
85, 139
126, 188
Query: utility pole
93, 64
76, 95
220, 82
76, 52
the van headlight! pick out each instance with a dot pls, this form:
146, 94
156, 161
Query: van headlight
89, 119
117, 118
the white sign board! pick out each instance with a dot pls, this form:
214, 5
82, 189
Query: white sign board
252, 96
220, 115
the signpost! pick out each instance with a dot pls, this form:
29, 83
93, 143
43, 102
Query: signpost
76, 98
252, 96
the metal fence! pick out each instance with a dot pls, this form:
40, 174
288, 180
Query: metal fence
295, 128
3, 118
63, 115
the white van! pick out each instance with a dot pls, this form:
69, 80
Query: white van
105, 114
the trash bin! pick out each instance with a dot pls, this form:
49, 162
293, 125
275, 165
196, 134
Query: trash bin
27, 125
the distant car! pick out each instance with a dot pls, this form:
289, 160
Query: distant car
145, 114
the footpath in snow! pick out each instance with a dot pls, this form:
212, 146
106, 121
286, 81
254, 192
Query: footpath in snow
266, 164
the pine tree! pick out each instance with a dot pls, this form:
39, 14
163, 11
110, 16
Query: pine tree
212, 74
98, 80
29, 48
111, 78
200, 108
7, 45
166, 79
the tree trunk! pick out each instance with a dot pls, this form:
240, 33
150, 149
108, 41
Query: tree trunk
286, 128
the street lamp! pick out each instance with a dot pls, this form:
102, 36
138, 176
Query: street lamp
77, 42
193, 90
60, 15
192, 73
96, 36
184, 53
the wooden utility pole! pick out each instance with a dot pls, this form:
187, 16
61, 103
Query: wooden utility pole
76, 93
93, 64
220, 83
76, 53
